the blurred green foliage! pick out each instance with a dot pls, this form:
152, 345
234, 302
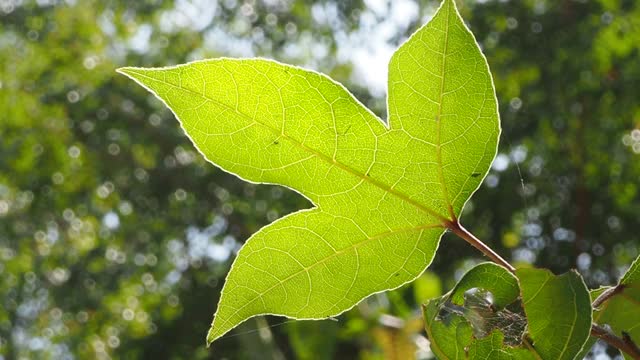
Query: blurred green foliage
115, 235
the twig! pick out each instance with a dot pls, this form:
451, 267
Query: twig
627, 339
625, 344
607, 294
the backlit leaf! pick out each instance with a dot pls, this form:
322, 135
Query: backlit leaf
632, 276
382, 194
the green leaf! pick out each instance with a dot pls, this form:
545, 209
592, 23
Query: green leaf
558, 310
482, 318
382, 195
470, 322
632, 276
450, 336
492, 347
622, 311
491, 277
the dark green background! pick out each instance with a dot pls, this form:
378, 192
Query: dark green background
115, 234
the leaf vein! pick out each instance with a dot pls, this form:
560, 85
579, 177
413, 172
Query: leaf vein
306, 269
318, 154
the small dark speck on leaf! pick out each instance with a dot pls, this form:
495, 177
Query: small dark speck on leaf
475, 175
276, 142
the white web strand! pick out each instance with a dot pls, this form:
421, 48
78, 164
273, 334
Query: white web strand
260, 328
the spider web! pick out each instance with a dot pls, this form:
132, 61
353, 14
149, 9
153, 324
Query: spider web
479, 311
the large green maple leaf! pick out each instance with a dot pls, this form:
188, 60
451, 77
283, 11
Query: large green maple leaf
383, 194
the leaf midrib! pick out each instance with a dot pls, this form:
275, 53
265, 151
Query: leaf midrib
445, 222
445, 192
575, 319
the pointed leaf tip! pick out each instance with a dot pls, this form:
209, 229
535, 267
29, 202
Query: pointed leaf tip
124, 70
131, 71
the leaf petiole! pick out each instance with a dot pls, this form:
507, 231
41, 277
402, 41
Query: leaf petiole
467, 236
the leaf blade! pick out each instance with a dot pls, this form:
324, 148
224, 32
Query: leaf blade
553, 303
371, 184
320, 301
492, 347
633, 273
491, 277
447, 45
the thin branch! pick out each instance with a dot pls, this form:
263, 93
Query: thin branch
623, 344
607, 294
627, 339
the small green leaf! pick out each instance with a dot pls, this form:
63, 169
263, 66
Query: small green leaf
480, 318
382, 195
491, 277
632, 276
450, 336
558, 310
622, 311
